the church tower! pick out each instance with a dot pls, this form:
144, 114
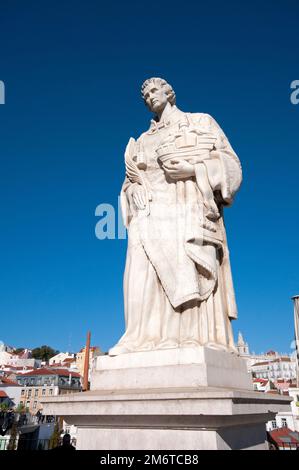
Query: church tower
242, 347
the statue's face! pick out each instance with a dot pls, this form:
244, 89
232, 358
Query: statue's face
155, 97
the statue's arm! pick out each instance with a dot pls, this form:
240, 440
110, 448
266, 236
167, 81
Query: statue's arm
134, 193
223, 168
126, 201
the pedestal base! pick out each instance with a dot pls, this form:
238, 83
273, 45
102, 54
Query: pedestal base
187, 399
180, 419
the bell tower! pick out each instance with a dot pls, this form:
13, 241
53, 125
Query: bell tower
242, 347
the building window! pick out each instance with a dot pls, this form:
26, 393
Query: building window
284, 422
44, 392
274, 425
23, 392
36, 392
28, 404
29, 392
50, 391
34, 405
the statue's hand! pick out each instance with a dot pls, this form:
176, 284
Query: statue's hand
179, 169
139, 196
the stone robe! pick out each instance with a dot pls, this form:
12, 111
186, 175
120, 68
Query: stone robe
178, 289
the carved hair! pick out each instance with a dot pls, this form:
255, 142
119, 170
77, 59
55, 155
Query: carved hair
163, 83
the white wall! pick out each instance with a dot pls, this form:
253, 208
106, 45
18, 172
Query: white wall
279, 421
60, 358
294, 393
13, 392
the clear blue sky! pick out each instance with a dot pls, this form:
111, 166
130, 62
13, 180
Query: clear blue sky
73, 71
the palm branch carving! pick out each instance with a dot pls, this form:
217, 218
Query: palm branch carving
134, 174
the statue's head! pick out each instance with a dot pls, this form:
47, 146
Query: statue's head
156, 93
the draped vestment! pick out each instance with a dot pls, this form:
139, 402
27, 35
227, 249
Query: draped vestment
178, 288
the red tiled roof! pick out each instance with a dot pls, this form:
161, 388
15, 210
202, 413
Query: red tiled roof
261, 380
67, 372
284, 436
3, 394
6, 381
51, 371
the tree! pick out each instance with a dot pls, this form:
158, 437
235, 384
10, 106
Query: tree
20, 408
44, 353
18, 350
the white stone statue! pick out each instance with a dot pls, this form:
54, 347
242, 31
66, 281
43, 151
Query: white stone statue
180, 173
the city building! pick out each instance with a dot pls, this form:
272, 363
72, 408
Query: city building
46, 382
5, 347
282, 367
22, 359
283, 438
282, 420
94, 352
262, 385
12, 390
61, 358
12, 371
5, 357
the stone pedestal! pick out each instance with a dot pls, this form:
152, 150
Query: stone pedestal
171, 368
186, 399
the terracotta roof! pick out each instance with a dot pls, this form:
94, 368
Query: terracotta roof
284, 437
6, 381
69, 359
3, 394
261, 380
51, 371
67, 372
